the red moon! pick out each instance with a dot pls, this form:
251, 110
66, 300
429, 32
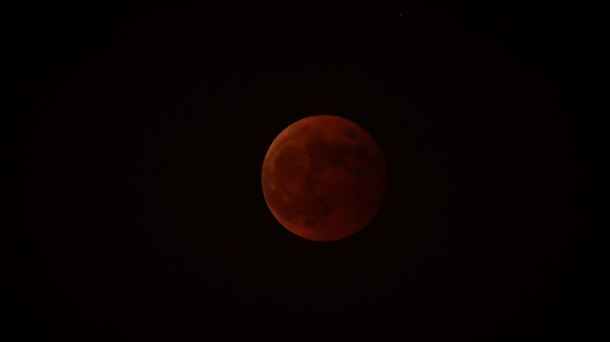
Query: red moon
323, 178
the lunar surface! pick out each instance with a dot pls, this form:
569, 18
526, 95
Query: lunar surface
323, 178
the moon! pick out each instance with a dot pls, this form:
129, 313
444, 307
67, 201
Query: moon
324, 178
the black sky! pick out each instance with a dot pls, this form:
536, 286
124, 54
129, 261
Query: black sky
142, 131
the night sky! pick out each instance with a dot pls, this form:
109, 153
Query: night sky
142, 132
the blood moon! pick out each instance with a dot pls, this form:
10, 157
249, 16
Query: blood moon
323, 178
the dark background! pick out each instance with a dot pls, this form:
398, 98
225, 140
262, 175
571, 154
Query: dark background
142, 131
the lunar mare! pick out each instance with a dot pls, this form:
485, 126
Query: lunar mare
323, 178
